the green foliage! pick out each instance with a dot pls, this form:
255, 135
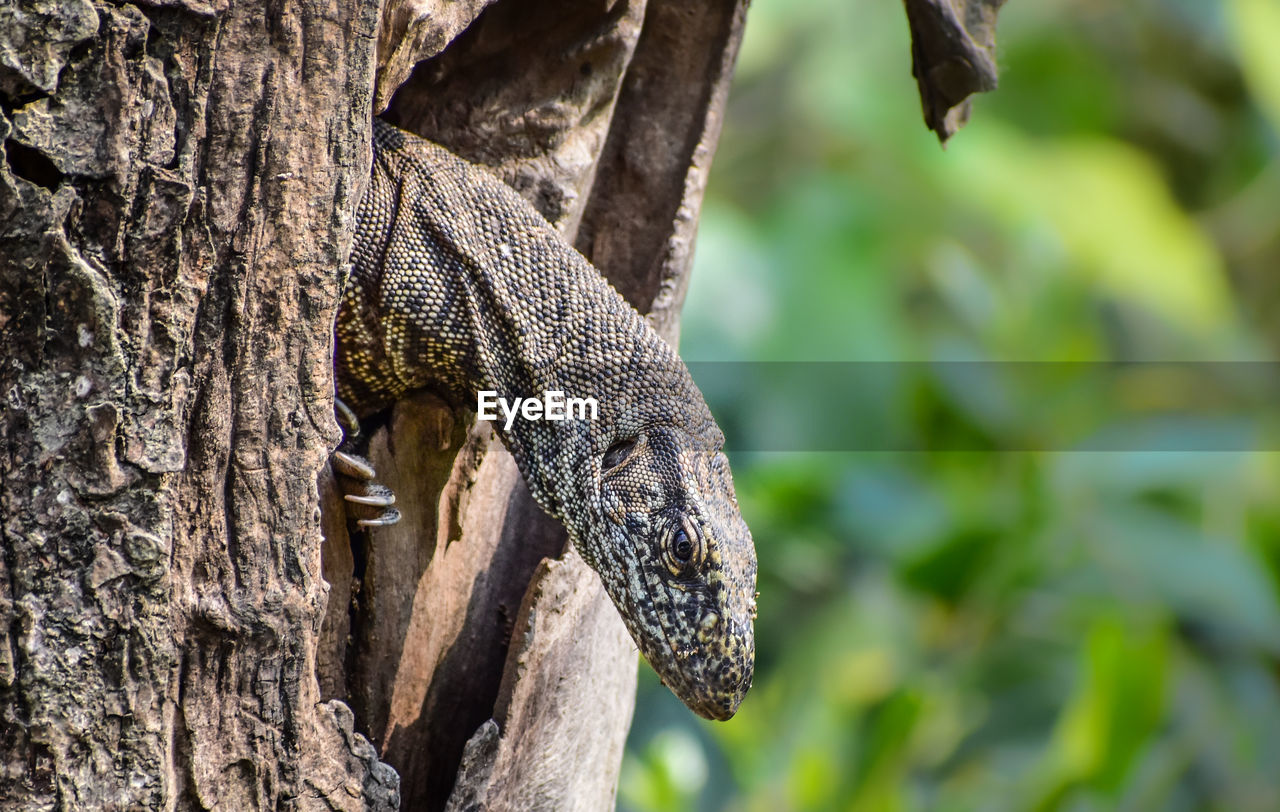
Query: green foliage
971, 625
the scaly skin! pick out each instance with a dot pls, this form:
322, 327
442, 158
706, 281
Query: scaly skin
459, 285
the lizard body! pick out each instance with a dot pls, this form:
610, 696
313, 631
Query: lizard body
459, 285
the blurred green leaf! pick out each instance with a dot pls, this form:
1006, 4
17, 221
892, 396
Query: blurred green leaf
1113, 212
1160, 560
1116, 707
1254, 24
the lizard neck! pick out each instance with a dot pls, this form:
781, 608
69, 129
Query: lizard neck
459, 286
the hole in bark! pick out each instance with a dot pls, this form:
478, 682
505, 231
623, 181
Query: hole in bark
31, 164
80, 50
12, 100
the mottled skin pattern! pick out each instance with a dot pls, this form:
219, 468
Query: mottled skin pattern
459, 285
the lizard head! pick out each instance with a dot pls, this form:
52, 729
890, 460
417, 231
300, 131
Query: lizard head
678, 561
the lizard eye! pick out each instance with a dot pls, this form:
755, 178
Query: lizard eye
681, 547
617, 452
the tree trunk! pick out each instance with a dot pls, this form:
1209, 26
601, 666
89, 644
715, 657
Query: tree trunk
176, 201
176, 207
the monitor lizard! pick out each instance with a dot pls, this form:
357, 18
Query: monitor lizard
459, 285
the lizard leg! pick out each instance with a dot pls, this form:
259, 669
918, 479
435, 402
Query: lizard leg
369, 504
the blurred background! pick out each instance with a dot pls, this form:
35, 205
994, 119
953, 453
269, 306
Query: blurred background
989, 613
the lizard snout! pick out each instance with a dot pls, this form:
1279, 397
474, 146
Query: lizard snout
720, 670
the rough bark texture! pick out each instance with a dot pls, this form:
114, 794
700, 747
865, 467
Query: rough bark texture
953, 56
175, 204
471, 628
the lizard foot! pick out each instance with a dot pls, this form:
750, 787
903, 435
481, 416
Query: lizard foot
369, 504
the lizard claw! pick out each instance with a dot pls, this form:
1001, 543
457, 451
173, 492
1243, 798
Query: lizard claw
353, 467
375, 495
347, 420
387, 517
369, 504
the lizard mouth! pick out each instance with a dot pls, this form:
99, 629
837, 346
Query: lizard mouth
712, 679
719, 710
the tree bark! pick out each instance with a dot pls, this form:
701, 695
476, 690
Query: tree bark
176, 202
953, 56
